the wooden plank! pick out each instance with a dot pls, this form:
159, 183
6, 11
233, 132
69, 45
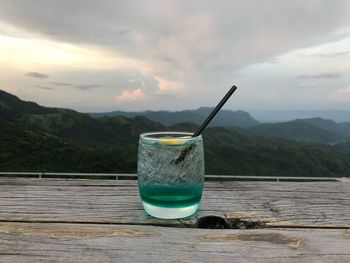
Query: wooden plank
23, 242
230, 204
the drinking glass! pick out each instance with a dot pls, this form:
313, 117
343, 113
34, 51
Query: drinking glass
170, 173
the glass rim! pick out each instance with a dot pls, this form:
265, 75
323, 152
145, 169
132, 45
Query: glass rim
146, 135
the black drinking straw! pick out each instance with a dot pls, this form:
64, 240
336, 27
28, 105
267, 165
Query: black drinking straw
214, 112
184, 152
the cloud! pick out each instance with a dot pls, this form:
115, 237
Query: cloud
327, 75
111, 81
192, 40
340, 95
335, 54
130, 95
37, 75
183, 48
87, 86
307, 85
43, 87
80, 86
123, 32
63, 84
333, 49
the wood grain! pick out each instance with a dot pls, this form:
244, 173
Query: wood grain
46, 242
59, 220
236, 204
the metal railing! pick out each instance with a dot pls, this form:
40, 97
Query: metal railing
116, 176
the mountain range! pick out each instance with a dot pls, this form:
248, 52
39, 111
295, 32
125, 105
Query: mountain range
37, 138
288, 115
314, 130
226, 118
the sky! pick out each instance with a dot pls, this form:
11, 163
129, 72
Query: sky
96, 56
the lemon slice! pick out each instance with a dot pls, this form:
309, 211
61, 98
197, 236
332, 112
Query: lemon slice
174, 141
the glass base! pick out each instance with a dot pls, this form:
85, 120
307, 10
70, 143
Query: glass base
169, 213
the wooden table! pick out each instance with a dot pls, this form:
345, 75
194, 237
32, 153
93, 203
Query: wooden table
50, 220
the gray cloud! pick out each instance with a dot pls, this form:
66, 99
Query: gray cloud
37, 75
50, 33
113, 81
327, 75
87, 86
63, 84
43, 87
198, 39
81, 86
199, 44
123, 32
335, 54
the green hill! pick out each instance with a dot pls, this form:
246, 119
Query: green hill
308, 130
292, 131
342, 129
228, 151
36, 138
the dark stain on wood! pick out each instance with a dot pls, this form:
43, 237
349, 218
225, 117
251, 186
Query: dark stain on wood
271, 208
218, 222
212, 222
275, 238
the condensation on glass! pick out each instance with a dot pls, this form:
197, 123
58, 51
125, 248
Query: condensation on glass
170, 173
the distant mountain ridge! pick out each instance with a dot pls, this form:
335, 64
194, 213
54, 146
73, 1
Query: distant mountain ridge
314, 130
225, 118
37, 138
311, 130
288, 115
342, 129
